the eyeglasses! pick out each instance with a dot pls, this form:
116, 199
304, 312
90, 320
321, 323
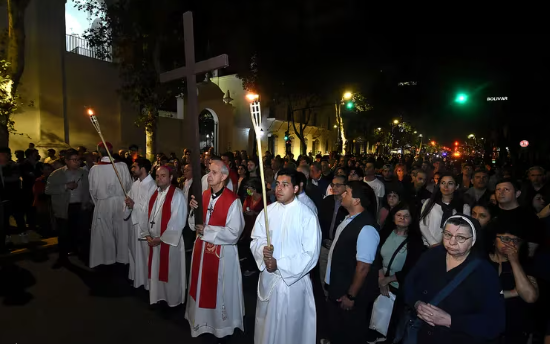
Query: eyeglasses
507, 240
336, 184
459, 238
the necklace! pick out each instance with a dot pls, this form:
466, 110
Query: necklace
157, 208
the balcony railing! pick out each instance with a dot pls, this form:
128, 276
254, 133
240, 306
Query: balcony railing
80, 46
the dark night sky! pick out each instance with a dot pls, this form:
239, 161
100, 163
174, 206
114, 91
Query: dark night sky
483, 65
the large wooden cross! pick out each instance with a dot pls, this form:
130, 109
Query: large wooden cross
189, 72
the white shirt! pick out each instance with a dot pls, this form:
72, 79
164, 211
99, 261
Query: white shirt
367, 244
186, 187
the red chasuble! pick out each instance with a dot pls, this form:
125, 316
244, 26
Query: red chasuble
166, 214
211, 259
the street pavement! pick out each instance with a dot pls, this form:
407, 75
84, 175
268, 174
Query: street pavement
77, 305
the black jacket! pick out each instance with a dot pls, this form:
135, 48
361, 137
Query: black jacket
326, 210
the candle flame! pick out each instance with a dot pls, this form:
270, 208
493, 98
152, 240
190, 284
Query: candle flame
90, 112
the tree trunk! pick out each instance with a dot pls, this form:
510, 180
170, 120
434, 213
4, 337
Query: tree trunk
151, 134
4, 135
16, 40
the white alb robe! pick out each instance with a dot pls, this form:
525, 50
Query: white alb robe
109, 234
229, 311
285, 310
173, 291
139, 250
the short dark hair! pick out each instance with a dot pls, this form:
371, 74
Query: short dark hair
317, 165
293, 174
514, 183
144, 163
134, 146
481, 170
70, 152
358, 171
301, 178
360, 190
30, 152
256, 184
344, 179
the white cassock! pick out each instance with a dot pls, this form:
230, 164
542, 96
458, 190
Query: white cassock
228, 313
204, 183
172, 291
109, 234
285, 311
139, 250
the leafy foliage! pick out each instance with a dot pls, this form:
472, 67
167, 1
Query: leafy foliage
135, 34
9, 103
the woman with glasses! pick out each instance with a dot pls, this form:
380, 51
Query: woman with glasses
473, 312
509, 257
399, 250
445, 202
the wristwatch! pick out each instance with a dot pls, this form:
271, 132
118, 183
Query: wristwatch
351, 298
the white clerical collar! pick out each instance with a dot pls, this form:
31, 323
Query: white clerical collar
294, 201
105, 159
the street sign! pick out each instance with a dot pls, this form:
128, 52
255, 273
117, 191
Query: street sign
524, 143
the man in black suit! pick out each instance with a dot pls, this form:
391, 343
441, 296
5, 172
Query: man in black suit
317, 186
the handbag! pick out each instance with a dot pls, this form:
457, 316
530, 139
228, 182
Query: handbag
409, 324
382, 308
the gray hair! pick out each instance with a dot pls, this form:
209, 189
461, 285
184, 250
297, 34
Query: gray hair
224, 170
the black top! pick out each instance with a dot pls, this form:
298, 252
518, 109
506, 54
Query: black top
476, 306
344, 263
521, 218
519, 314
326, 211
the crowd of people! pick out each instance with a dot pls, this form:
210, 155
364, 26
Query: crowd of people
462, 248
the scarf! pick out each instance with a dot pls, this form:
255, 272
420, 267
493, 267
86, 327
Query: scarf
447, 212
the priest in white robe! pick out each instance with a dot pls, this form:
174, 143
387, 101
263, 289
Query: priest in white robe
167, 214
285, 311
215, 304
109, 233
137, 206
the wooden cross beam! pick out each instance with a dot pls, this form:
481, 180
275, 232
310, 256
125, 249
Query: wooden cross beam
189, 72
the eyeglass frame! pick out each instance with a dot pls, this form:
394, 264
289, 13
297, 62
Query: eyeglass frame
448, 236
332, 185
515, 241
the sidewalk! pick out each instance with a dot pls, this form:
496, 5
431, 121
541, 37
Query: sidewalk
22, 250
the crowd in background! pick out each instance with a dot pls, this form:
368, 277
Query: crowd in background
414, 202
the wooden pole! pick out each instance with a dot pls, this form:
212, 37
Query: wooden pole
95, 123
256, 117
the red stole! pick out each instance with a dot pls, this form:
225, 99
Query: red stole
166, 214
211, 259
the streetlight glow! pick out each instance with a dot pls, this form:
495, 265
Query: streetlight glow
471, 136
415, 132
379, 129
348, 95
252, 97
395, 121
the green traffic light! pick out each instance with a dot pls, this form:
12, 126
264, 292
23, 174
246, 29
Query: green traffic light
349, 105
461, 98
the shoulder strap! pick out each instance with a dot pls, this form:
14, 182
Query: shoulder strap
395, 254
459, 278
